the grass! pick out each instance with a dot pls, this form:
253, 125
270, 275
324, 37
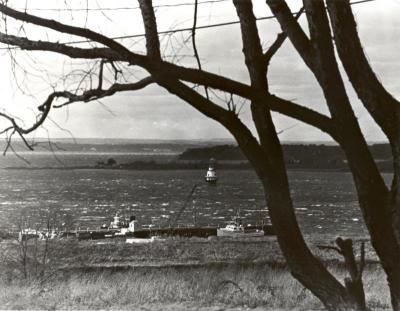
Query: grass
177, 274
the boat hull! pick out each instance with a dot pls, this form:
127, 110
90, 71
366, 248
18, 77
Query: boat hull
211, 180
240, 234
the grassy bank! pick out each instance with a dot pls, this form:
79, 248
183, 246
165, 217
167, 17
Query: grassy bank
230, 286
177, 274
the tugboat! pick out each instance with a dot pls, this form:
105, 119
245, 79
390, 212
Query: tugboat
236, 229
120, 227
116, 223
211, 175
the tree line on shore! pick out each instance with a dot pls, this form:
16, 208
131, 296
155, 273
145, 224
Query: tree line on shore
297, 156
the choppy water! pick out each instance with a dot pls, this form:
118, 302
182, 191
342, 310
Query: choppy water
325, 202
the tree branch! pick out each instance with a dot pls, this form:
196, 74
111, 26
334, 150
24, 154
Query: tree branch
63, 28
150, 26
247, 142
95, 94
116, 52
303, 114
44, 109
196, 53
256, 67
187, 74
101, 70
85, 97
252, 49
207, 107
73, 52
382, 106
183, 73
191, 75
278, 42
291, 27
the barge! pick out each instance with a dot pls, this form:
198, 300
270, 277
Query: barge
123, 229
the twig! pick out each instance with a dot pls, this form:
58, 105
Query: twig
196, 53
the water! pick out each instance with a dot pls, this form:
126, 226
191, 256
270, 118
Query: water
325, 202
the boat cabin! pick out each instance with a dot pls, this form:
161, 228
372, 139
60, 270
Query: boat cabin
211, 175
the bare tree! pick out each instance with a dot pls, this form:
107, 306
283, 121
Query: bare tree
264, 152
377, 202
32, 255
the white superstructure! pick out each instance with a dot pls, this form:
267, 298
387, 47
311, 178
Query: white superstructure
211, 175
235, 229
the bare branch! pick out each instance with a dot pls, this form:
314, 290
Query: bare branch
183, 73
188, 74
25, 141
6, 130
8, 142
293, 30
101, 69
196, 53
252, 49
205, 106
116, 70
95, 94
179, 72
228, 119
46, 106
73, 52
382, 106
60, 27
304, 114
150, 26
279, 41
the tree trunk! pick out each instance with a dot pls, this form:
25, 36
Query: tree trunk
303, 265
395, 189
394, 201
272, 173
385, 110
354, 283
374, 198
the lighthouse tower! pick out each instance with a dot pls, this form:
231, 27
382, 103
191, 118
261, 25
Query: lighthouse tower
211, 175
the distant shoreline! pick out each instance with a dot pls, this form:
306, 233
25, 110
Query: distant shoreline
228, 157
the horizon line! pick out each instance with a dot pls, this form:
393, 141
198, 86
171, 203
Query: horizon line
186, 140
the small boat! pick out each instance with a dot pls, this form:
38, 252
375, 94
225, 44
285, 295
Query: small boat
28, 233
236, 229
119, 227
211, 175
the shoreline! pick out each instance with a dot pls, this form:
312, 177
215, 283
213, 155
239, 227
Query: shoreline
176, 168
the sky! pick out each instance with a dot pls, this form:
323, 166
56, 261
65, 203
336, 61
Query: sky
152, 113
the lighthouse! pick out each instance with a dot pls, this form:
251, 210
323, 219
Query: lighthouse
211, 175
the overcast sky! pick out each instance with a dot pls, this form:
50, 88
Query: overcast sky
154, 114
